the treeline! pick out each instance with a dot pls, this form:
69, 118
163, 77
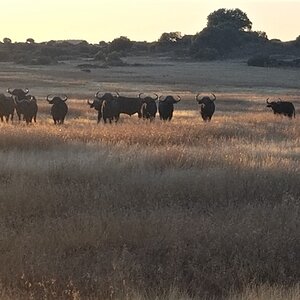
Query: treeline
228, 34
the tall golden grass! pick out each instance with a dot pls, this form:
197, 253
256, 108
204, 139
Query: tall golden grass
142, 210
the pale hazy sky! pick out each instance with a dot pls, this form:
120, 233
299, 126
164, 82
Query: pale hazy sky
96, 20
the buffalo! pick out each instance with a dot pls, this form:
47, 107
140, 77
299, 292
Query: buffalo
27, 107
109, 107
18, 95
59, 108
7, 107
110, 110
207, 107
129, 105
149, 108
282, 108
97, 104
166, 107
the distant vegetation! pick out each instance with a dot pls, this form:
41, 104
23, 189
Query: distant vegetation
228, 34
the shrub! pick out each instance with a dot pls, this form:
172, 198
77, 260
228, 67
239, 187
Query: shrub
121, 44
99, 56
207, 54
114, 59
259, 61
297, 42
44, 60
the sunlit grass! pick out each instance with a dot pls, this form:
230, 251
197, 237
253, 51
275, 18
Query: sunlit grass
176, 210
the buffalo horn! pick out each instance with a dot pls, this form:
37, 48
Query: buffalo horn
47, 98
267, 101
88, 102
197, 96
214, 97
26, 91
160, 98
97, 95
140, 95
65, 98
179, 98
156, 97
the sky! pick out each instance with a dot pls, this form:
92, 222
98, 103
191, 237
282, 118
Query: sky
139, 20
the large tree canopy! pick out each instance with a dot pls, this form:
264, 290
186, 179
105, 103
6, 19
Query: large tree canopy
121, 44
170, 37
234, 18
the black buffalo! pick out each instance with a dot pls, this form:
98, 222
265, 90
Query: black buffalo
166, 107
149, 108
282, 108
97, 104
125, 105
110, 109
7, 107
27, 107
18, 95
207, 107
59, 108
129, 105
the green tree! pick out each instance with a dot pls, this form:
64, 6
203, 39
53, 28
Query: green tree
120, 44
30, 41
170, 37
234, 18
7, 40
297, 41
223, 39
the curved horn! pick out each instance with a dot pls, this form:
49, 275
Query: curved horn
179, 98
140, 95
268, 101
26, 91
156, 96
160, 98
197, 96
280, 99
65, 98
118, 95
97, 95
214, 97
47, 98
88, 102
9, 90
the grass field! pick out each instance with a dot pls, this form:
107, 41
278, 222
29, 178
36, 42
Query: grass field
179, 210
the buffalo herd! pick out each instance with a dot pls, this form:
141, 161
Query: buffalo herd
110, 105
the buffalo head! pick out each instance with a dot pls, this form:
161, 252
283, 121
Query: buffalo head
19, 93
169, 99
207, 106
54, 99
148, 99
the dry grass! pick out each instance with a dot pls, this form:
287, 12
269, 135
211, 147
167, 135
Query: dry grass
180, 210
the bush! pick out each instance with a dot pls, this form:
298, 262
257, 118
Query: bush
114, 59
297, 42
121, 44
207, 54
100, 56
259, 61
44, 60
